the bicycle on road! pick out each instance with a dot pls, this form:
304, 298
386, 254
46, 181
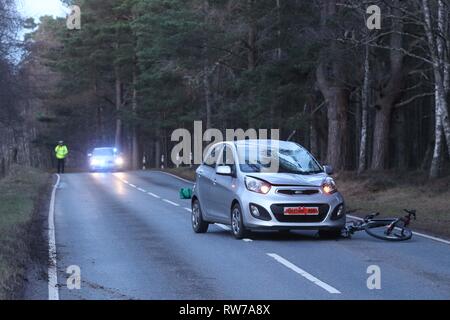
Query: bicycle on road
390, 229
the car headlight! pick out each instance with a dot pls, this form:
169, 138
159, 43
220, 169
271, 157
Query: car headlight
95, 162
256, 185
119, 161
329, 186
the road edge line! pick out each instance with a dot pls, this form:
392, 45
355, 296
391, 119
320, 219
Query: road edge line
175, 176
53, 292
423, 235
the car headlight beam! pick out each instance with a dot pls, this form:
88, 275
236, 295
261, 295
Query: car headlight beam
95, 162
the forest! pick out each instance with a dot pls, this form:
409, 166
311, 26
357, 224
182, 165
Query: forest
360, 99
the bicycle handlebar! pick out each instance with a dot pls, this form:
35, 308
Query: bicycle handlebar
410, 213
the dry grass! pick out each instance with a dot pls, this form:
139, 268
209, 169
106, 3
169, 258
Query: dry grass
183, 172
20, 194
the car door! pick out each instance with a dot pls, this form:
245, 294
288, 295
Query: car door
224, 187
205, 177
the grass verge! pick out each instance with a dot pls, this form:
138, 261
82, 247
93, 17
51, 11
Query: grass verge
21, 193
183, 172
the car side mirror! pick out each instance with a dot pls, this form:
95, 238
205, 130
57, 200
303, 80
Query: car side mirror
224, 170
328, 170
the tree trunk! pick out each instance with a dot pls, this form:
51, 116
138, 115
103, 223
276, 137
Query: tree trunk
388, 95
100, 128
279, 50
337, 99
207, 96
437, 154
362, 165
436, 45
442, 39
252, 34
401, 138
134, 142
336, 95
118, 91
381, 137
158, 153
337, 127
206, 83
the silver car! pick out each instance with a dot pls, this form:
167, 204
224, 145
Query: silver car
238, 185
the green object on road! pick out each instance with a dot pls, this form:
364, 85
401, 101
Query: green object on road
186, 193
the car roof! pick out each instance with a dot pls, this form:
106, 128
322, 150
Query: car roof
104, 148
259, 142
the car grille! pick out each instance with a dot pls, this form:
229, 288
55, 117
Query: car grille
298, 192
278, 212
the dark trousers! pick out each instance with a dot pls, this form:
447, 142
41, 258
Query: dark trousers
61, 165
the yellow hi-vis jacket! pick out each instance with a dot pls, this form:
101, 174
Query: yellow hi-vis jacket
61, 152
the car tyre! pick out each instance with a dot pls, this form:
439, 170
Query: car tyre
330, 234
237, 223
198, 224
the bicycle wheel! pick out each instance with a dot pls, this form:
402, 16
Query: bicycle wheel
383, 232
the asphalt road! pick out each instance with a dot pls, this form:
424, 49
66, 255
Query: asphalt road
131, 237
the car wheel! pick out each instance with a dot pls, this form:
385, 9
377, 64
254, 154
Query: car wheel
198, 224
330, 234
237, 223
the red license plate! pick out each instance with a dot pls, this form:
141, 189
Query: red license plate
301, 211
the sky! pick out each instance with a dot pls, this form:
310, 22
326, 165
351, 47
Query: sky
38, 8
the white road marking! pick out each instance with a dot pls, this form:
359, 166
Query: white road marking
431, 237
188, 209
142, 190
171, 202
177, 177
247, 240
415, 233
304, 274
222, 226
132, 185
153, 195
125, 181
53, 291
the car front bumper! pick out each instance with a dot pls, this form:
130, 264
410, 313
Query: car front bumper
326, 221
106, 167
